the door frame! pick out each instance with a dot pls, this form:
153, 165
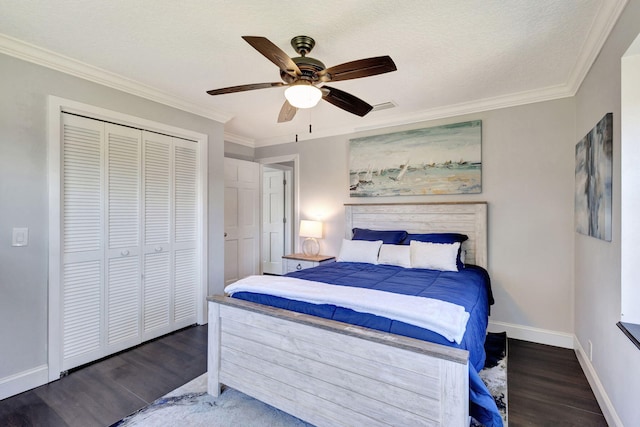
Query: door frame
294, 191
55, 107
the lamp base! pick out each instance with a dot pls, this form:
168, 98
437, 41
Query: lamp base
310, 246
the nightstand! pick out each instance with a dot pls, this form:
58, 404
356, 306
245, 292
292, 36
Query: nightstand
297, 262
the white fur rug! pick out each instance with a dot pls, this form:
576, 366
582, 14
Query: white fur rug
190, 405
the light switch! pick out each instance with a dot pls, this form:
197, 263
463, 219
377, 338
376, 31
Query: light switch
20, 236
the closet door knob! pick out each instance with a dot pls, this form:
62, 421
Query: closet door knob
225, 234
158, 249
124, 253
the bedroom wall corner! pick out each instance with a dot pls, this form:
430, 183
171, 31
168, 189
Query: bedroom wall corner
599, 391
239, 151
527, 333
613, 368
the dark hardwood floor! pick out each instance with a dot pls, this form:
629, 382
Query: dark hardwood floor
546, 386
102, 393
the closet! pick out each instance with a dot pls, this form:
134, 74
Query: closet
129, 224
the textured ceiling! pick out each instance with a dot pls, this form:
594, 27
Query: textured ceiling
453, 57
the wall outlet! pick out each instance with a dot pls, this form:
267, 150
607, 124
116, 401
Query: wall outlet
590, 351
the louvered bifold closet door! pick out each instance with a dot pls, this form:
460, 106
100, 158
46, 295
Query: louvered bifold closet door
157, 186
123, 288
82, 189
186, 269
129, 237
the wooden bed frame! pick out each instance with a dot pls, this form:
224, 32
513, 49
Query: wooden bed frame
330, 373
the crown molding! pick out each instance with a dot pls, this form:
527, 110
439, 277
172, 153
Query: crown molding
46, 58
606, 18
487, 104
239, 139
473, 107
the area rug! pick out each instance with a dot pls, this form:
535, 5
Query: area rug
494, 373
190, 405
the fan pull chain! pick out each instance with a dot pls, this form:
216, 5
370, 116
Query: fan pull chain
310, 128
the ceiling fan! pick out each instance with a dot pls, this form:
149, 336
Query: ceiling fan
304, 74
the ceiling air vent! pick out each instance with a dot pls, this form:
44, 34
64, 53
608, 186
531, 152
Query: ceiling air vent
384, 106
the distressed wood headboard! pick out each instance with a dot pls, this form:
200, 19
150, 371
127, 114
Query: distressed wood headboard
468, 218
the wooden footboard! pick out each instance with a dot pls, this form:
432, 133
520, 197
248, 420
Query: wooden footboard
333, 374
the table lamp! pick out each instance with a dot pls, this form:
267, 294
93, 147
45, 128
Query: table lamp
312, 230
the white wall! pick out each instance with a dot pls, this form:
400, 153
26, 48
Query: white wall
23, 202
615, 368
528, 175
630, 191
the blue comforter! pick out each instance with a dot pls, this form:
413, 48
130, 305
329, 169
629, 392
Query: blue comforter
469, 288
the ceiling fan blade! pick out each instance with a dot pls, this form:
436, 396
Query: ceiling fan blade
274, 54
346, 101
356, 69
243, 88
287, 112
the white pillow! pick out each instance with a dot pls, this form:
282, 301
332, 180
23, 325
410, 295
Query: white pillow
359, 251
399, 255
434, 256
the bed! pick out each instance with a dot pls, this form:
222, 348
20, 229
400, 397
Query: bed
330, 372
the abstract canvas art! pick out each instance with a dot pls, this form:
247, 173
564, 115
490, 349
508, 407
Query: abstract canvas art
593, 180
437, 160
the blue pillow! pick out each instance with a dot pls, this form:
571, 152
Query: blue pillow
440, 238
436, 238
387, 237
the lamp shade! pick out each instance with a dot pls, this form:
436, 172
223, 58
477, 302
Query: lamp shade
303, 95
311, 229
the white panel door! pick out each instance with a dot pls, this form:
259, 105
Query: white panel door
82, 187
241, 219
231, 248
273, 220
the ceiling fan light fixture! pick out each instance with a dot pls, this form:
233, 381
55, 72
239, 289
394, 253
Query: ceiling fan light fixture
303, 95
302, 73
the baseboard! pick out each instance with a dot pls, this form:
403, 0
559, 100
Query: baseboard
23, 381
537, 335
606, 406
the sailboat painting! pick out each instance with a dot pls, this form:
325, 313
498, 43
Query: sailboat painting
593, 181
437, 160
